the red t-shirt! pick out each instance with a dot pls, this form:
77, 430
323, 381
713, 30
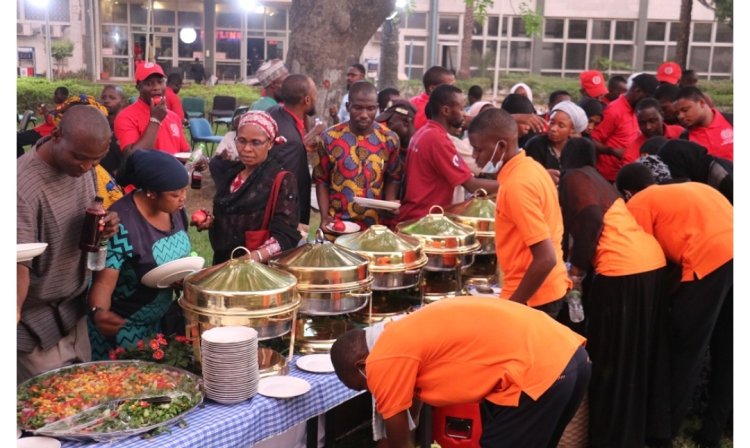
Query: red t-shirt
433, 170
132, 122
419, 102
718, 137
618, 129
633, 152
174, 103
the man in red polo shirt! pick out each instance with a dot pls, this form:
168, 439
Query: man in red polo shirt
592, 85
669, 72
706, 125
433, 77
174, 84
433, 167
651, 124
147, 123
619, 128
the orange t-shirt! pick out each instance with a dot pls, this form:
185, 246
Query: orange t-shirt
528, 212
691, 221
623, 247
464, 349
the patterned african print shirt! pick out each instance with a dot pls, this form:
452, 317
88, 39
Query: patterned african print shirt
353, 165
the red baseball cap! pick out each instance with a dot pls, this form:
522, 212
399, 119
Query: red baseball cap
592, 81
669, 72
143, 71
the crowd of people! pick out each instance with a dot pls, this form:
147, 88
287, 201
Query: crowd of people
623, 195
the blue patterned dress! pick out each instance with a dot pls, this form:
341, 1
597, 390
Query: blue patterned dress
135, 249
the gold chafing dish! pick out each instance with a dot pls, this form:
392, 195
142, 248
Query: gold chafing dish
448, 245
386, 305
239, 292
396, 261
316, 334
479, 214
330, 279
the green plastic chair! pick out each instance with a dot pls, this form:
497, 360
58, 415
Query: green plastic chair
194, 107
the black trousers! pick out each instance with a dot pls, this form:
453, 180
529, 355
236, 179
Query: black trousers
540, 423
696, 308
25, 138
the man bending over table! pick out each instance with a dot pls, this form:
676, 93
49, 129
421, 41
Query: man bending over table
528, 372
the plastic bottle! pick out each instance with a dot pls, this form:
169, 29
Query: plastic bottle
196, 178
575, 306
92, 229
95, 261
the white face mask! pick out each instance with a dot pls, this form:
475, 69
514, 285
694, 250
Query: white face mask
492, 168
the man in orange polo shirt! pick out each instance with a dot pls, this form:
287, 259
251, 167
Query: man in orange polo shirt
147, 123
528, 372
706, 125
528, 221
693, 224
619, 127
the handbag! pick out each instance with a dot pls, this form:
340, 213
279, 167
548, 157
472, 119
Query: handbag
254, 238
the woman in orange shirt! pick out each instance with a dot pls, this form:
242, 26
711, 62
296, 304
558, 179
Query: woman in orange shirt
624, 312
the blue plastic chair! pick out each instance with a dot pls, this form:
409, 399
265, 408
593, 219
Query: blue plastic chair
200, 132
194, 107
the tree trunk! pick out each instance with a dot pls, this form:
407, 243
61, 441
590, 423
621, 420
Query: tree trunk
683, 40
464, 71
388, 75
327, 36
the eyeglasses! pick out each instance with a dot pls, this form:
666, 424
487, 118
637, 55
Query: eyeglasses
362, 372
240, 143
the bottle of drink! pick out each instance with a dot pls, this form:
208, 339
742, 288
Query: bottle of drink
92, 229
95, 261
575, 306
196, 178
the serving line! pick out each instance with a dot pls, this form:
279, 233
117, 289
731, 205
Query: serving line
246, 423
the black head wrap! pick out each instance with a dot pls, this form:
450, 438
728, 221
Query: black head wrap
577, 153
686, 160
517, 104
592, 107
153, 170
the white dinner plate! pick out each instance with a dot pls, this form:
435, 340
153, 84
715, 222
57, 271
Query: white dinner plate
282, 386
38, 442
349, 227
27, 251
163, 276
230, 334
377, 203
19, 433
320, 363
183, 156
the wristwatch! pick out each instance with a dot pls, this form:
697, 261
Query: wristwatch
93, 310
155, 120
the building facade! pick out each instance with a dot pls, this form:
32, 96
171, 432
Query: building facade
232, 37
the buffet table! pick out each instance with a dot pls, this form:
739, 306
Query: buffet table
246, 423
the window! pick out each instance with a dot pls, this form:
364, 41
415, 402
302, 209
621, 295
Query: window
597, 52
276, 19
518, 28
448, 25
414, 55
111, 12
577, 29
674, 31
722, 62
228, 72
228, 20
624, 30
255, 21
163, 17
575, 57
723, 33
702, 32
188, 18
600, 29
137, 13
493, 24
417, 20
552, 54
115, 40
116, 67
59, 11
656, 31
699, 59
553, 28
228, 42
671, 53
477, 30
653, 57
622, 53
186, 50
520, 55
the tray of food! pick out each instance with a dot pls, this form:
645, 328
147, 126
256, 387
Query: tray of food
106, 400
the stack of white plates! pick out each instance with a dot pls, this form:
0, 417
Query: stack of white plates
229, 359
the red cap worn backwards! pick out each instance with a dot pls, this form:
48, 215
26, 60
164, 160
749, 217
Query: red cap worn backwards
669, 72
143, 71
592, 81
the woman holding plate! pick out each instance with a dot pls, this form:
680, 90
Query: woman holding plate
153, 231
256, 203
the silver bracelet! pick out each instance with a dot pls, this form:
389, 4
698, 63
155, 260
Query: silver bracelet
155, 120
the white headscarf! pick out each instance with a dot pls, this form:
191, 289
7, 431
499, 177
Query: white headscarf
477, 107
576, 114
526, 88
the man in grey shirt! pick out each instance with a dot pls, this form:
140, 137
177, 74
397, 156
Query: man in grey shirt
56, 182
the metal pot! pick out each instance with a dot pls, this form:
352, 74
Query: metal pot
395, 260
479, 214
330, 279
386, 305
448, 245
317, 334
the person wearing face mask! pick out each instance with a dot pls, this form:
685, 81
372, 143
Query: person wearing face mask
433, 166
528, 221
566, 120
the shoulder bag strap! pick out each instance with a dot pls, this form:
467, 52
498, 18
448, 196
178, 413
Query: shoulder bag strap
272, 199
